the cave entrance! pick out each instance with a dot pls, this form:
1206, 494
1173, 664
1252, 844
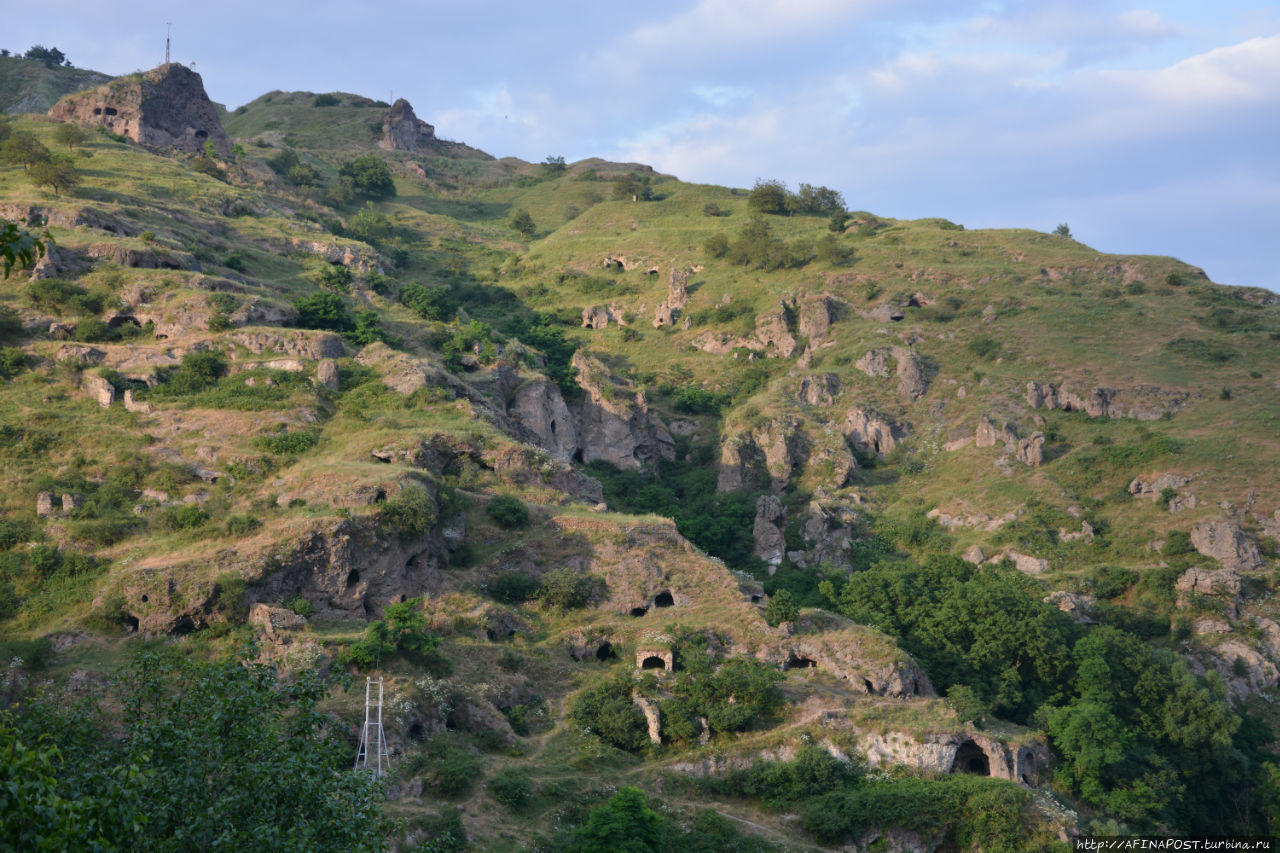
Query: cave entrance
653, 662
353, 577
971, 759
639, 611
663, 599
795, 661
606, 652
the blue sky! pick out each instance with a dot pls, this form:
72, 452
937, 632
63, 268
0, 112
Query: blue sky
1148, 127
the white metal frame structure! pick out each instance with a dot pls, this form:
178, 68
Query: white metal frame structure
372, 739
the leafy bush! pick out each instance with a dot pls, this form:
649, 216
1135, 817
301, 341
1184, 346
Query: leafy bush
607, 711
431, 303
567, 589
242, 525
326, 100
403, 630
199, 371
325, 311
186, 517
411, 513
453, 770
368, 176
984, 347
289, 443
511, 787
1111, 581
780, 608
12, 362
302, 606
508, 511
513, 588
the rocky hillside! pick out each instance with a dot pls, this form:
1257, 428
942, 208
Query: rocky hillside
692, 494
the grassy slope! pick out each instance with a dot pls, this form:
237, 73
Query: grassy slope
1082, 323
29, 87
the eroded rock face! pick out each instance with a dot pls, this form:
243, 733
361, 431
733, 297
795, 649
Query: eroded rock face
912, 379
402, 130
817, 313
867, 431
163, 108
1225, 542
1031, 450
1223, 584
539, 407
297, 342
614, 421
1143, 402
820, 390
950, 753
986, 435
767, 532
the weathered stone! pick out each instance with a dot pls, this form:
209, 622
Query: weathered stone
132, 405
913, 383
595, 317
774, 335
400, 371
819, 390
163, 108
884, 314
72, 502
1031, 450
651, 717
1223, 584
274, 621
44, 504
98, 388
614, 421
1078, 606
1227, 543
1084, 534
402, 130
302, 343
867, 431
539, 407
974, 554
664, 316
327, 374
986, 435
874, 363
816, 314
768, 530
678, 289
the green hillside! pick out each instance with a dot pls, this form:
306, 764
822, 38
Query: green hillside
814, 529
27, 86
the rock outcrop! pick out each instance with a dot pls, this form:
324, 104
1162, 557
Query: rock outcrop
767, 532
819, 390
1031, 450
165, 107
614, 421
1142, 402
913, 380
402, 130
867, 431
539, 407
1226, 542
1223, 585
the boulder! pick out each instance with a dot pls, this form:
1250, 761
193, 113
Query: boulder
595, 317
974, 554
302, 343
1080, 607
1227, 543
912, 380
664, 316
816, 314
986, 435
166, 107
1223, 584
402, 130
44, 504
400, 371
678, 289
773, 334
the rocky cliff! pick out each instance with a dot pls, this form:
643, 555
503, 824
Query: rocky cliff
163, 108
402, 130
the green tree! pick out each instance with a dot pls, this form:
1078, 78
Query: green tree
820, 201
1063, 230
780, 608
58, 172
553, 165
522, 223
625, 824
323, 310
70, 134
769, 196
23, 149
369, 177
50, 56
508, 511
369, 225
196, 746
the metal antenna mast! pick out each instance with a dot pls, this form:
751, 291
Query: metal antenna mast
372, 739
168, 26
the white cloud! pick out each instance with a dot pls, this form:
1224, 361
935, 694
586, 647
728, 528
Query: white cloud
1241, 73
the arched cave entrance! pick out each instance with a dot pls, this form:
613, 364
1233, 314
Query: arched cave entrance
663, 599
353, 577
971, 759
606, 652
1026, 767
653, 662
795, 661
639, 611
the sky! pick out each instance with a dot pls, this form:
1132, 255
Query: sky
1147, 127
